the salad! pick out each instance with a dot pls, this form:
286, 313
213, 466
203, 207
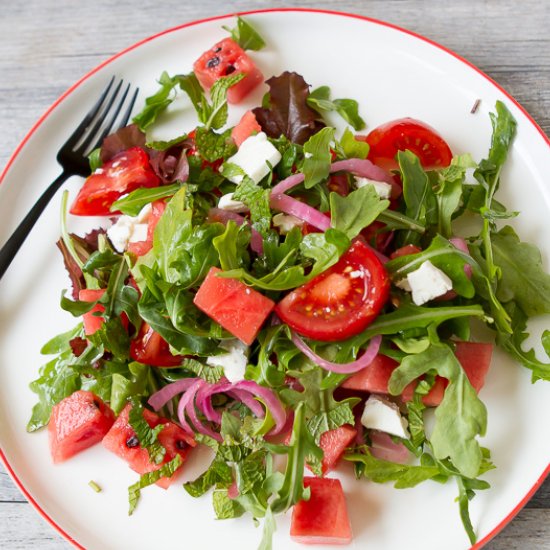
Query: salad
285, 294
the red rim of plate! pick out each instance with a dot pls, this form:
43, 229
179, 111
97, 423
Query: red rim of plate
39, 122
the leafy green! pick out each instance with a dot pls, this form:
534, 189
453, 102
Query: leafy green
94, 158
257, 200
348, 109
156, 103
460, 417
167, 470
351, 147
132, 203
218, 473
213, 146
212, 374
246, 36
317, 154
212, 114
147, 436
522, 276
359, 209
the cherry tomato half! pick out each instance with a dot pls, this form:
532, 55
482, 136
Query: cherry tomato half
411, 134
125, 172
341, 301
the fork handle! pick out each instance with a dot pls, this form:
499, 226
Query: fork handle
13, 244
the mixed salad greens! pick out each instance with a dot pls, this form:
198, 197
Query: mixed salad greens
245, 300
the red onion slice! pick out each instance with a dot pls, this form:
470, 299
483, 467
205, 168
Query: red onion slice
223, 216
310, 215
192, 414
188, 397
160, 398
384, 448
269, 398
342, 368
363, 168
288, 183
460, 244
249, 401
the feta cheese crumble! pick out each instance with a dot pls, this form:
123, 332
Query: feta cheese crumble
255, 157
383, 415
286, 222
233, 362
426, 283
382, 188
129, 229
226, 202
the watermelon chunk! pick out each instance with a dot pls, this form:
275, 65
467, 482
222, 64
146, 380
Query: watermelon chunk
323, 519
76, 423
92, 322
121, 440
247, 126
334, 443
237, 308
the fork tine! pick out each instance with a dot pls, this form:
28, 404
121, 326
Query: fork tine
75, 136
123, 121
126, 116
89, 135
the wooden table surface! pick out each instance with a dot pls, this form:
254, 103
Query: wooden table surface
46, 45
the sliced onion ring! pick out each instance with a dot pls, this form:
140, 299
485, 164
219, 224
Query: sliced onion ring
160, 398
342, 368
188, 397
363, 168
310, 215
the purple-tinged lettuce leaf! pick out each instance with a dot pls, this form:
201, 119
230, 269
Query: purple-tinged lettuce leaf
288, 113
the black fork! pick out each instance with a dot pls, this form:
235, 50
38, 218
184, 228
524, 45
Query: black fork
111, 111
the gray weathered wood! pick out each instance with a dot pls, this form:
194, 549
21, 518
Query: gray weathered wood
46, 45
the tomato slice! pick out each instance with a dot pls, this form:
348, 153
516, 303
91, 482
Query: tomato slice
408, 134
124, 173
341, 301
150, 348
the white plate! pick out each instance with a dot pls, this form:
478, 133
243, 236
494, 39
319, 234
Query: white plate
392, 73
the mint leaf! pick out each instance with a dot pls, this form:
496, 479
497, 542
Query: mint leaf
257, 200
246, 36
217, 114
225, 507
218, 473
213, 146
358, 210
212, 374
147, 436
167, 470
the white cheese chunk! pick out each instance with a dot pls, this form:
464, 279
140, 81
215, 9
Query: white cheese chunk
129, 229
382, 188
383, 415
286, 222
428, 282
233, 362
255, 157
226, 202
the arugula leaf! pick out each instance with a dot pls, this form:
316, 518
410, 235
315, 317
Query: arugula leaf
302, 447
448, 191
350, 147
442, 254
359, 209
512, 343
269, 529
417, 193
62, 342
316, 167
147, 436
460, 417
348, 109
167, 470
157, 103
132, 203
94, 158
522, 277
246, 36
